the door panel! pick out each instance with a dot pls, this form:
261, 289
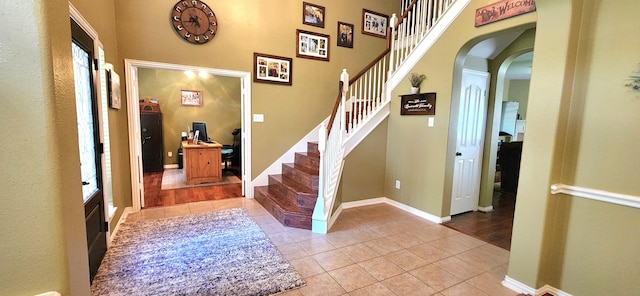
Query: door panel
89, 146
152, 146
469, 142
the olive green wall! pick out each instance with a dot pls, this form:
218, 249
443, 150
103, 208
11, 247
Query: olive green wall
145, 33
579, 119
597, 153
43, 235
518, 91
419, 156
363, 174
220, 108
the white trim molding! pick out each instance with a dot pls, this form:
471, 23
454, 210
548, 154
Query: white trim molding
519, 287
595, 194
378, 200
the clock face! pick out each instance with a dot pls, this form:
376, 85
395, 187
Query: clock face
194, 21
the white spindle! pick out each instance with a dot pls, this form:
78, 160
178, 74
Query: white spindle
366, 95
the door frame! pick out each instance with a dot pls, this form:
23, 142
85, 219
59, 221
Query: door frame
135, 145
103, 118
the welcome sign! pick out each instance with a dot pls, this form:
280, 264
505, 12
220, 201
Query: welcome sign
503, 10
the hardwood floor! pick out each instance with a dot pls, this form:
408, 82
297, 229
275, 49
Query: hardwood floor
155, 197
493, 227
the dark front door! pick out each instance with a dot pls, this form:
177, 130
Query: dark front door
151, 133
89, 146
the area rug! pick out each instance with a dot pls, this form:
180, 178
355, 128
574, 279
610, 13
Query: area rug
174, 179
215, 253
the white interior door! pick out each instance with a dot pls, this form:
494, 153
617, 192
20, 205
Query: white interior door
471, 127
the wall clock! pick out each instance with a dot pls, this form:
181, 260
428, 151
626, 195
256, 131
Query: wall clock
194, 21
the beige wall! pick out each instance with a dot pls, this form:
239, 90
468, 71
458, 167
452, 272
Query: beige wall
419, 156
43, 235
220, 108
576, 137
363, 174
246, 27
518, 91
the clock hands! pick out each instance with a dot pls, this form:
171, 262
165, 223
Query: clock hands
193, 19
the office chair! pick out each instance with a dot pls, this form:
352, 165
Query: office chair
231, 153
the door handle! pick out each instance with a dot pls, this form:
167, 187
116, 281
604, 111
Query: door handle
85, 183
458, 154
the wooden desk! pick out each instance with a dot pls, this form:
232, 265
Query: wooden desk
202, 162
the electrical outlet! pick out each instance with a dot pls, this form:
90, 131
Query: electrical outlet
170, 154
397, 184
258, 117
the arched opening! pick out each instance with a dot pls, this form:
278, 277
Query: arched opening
507, 57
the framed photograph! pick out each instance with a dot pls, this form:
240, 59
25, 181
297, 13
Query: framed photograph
113, 87
345, 35
374, 24
272, 69
191, 98
312, 14
312, 45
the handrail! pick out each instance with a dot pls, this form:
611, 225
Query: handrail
372, 63
366, 97
375, 60
336, 105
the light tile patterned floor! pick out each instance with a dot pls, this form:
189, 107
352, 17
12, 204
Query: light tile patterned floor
374, 250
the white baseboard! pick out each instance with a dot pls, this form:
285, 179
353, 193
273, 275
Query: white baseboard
551, 290
519, 287
486, 209
125, 214
170, 166
372, 201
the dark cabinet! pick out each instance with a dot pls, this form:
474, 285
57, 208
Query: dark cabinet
151, 134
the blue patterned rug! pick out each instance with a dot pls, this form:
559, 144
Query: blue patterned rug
216, 253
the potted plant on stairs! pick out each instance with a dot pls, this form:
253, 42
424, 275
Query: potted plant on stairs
416, 79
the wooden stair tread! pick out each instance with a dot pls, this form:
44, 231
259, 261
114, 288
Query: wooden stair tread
291, 196
293, 185
284, 204
304, 169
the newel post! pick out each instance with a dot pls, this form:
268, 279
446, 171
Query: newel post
344, 77
392, 63
320, 217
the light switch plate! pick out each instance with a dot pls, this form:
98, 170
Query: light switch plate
397, 184
430, 121
258, 117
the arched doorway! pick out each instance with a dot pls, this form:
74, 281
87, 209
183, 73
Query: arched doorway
507, 57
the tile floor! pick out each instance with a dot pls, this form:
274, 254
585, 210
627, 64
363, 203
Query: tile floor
374, 250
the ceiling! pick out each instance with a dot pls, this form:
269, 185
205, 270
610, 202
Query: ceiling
520, 68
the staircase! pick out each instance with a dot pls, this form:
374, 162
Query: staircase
291, 196
303, 195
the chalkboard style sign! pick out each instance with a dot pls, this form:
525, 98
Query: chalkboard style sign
418, 104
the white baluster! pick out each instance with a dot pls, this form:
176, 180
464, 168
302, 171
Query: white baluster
394, 44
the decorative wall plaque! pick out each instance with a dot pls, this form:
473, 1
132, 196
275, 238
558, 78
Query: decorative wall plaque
418, 104
503, 10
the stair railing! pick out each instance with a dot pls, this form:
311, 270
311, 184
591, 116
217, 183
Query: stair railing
363, 96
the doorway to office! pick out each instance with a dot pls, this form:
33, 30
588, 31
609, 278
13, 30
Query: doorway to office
233, 83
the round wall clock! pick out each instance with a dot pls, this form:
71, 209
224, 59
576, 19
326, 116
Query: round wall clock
194, 21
